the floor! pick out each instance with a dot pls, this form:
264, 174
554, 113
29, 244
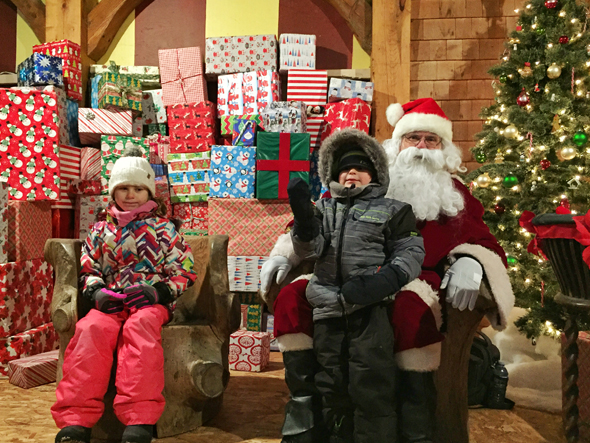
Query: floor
253, 412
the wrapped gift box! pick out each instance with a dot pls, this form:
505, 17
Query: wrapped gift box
94, 81
112, 147
69, 169
29, 227
232, 171
342, 89
248, 222
26, 290
247, 93
92, 123
228, 121
32, 342
315, 126
153, 107
195, 217
40, 69
297, 51
181, 72
35, 370
310, 87
69, 52
72, 118
189, 176
159, 149
244, 133
244, 273
251, 318
192, 127
3, 221
249, 351
240, 54
316, 186
279, 158
163, 192
268, 325
35, 124
62, 223
119, 91
84, 187
90, 166
352, 113
87, 209
285, 117
149, 76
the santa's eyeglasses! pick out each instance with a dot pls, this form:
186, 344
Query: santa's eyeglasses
431, 141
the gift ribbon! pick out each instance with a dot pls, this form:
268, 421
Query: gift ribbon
243, 131
180, 79
284, 165
127, 92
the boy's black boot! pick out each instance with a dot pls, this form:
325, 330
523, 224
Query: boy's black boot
303, 413
138, 434
417, 406
73, 434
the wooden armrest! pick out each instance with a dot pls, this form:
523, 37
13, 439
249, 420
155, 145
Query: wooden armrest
64, 256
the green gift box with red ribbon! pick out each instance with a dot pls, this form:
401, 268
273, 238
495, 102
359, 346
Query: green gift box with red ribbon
279, 158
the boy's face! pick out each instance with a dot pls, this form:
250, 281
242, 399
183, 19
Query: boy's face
130, 197
356, 176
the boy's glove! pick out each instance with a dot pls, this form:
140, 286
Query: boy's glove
369, 289
462, 281
140, 296
276, 264
108, 301
300, 201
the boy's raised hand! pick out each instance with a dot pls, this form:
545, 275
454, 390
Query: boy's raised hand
302, 207
140, 296
108, 301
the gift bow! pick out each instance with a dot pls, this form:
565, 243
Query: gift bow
525, 221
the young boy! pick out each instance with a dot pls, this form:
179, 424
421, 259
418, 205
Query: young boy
367, 247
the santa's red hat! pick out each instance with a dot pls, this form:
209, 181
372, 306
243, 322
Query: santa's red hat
422, 114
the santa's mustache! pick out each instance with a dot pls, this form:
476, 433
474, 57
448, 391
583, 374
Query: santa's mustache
431, 158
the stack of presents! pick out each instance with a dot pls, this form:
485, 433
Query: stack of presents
222, 165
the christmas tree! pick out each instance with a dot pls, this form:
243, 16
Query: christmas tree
533, 146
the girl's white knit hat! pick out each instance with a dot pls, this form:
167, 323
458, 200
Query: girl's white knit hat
134, 170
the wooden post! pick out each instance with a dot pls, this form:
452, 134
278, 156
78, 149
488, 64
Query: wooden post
390, 59
67, 19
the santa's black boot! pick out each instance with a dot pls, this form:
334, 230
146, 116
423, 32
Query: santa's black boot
73, 434
303, 413
416, 406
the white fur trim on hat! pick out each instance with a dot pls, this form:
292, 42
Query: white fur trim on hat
133, 171
415, 121
394, 112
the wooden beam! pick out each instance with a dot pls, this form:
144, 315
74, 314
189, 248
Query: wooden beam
89, 5
33, 12
103, 23
390, 60
359, 17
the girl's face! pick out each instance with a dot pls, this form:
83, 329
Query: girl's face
130, 197
354, 176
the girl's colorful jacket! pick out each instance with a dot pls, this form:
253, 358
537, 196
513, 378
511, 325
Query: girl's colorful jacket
147, 250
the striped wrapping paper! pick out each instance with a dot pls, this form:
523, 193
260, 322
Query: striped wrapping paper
36, 370
307, 86
69, 169
315, 125
90, 165
92, 123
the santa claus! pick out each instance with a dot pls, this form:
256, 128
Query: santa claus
460, 252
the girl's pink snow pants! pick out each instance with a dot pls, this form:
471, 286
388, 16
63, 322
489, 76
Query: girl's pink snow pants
136, 336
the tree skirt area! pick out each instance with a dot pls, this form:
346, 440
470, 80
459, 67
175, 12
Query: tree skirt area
534, 371
252, 412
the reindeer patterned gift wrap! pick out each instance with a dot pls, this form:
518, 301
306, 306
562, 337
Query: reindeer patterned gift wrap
232, 171
353, 113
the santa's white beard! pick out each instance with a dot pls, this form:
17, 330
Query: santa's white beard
421, 178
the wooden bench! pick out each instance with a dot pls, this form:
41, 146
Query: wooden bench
451, 378
195, 342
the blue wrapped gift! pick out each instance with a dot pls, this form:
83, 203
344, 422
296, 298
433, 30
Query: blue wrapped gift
315, 183
39, 70
72, 113
94, 91
233, 170
243, 132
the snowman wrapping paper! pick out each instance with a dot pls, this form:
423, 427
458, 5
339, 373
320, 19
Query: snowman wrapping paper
232, 173
31, 122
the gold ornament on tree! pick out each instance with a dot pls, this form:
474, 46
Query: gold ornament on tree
556, 124
526, 71
499, 157
510, 131
567, 153
484, 180
553, 71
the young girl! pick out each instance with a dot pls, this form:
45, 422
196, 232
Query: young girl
134, 265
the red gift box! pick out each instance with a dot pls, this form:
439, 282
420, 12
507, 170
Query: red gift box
307, 86
248, 222
32, 342
181, 76
29, 136
84, 187
163, 192
69, 169
26, 289
62, 225
195, 217
29, 227
249, 351
352, 113
90, 165
35, 370
69, 52
159, 149
191, 127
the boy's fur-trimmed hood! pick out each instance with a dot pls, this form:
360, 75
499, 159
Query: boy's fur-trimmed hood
338, 143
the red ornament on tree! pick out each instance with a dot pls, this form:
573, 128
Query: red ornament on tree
523, 99
499, 208
564, 39
545, 164
551, 4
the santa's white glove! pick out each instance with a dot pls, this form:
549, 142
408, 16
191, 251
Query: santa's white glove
277, 264
462, 281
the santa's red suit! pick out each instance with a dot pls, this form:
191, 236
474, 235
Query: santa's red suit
416, 316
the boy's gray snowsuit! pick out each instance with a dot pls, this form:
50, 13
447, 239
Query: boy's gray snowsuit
361, 233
